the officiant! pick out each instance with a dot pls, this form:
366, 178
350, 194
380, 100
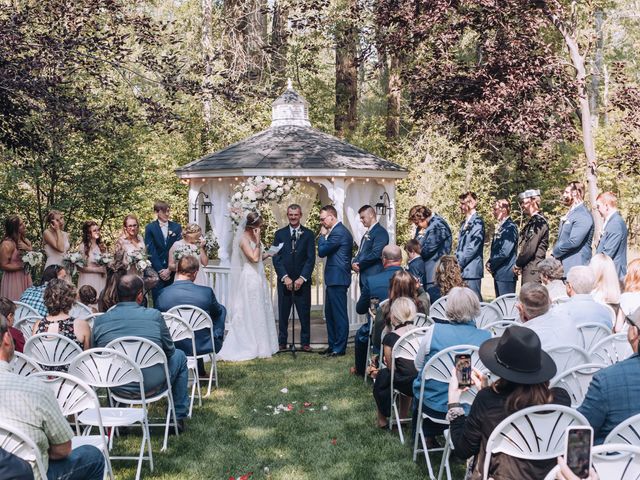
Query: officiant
294, 266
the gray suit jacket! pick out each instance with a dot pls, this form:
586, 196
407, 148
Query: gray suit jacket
574, 239
613, 242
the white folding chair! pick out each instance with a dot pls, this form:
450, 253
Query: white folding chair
23, 365
74, 397
181, 330
422, 320
80, 310
617, 461
498, 328
507, 305
626, 432
576, 381
489, 313
533, 433
109, 368
51, 350
90, 319
23, 310
372, 321
16, 442
406, 347
147, 354
591, 333
198, 320
25, 325
611, 349
568, 356
437, 309
438, 369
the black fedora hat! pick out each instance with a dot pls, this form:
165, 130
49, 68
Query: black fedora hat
517, 356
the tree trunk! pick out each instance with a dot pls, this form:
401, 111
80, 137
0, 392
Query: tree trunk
596, 71
279, 46
207, 77
346, 108
394, 96
256, 35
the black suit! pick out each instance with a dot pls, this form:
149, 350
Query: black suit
296, 259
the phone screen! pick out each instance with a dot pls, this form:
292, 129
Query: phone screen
463, 369
579, 451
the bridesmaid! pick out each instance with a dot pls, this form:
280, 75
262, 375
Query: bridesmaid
14, 278
192, 235
130, 240
55, 240
91, 246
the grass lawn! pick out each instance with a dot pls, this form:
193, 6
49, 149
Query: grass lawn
236, 432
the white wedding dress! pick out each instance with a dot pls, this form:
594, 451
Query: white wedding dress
252, 330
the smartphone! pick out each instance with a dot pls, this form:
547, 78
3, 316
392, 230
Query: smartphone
578, 452
463, 369
373, 303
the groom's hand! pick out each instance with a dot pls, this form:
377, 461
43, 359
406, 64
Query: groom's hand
288, 283
297, 284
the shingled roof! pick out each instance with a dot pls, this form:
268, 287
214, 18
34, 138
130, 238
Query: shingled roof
291, 144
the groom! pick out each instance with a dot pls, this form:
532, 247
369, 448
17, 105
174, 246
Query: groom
335, 243
159, 236
294, 266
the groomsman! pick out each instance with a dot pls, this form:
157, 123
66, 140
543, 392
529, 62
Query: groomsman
159, 237
415, 264
434, 235
613, 241
471, 243
573, 247
368, 260
504, 249
335, 243
534, 238
294, 266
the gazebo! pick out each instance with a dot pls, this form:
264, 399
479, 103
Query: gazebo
323, 166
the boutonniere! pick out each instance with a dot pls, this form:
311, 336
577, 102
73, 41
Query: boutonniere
171, 234
367, 237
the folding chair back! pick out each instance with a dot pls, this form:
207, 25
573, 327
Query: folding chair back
616, 460
51, 349
19, 444
422, 320
591, 333
90, 319
626, 432
23, 310
576, 381
178, 328
611, 349
533, 433
437, 310
25, 325
106, 368
197, 318
498, 328
568, 356
23, 365
80, 310
489, 313
507, 306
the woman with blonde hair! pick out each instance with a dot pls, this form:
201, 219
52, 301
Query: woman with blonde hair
55, 239
607, 289
192, 243
630, 299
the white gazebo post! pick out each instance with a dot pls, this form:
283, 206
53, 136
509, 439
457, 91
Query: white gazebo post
390, 188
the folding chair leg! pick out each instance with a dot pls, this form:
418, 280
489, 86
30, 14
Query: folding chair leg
444, 463
366, 364
210, 376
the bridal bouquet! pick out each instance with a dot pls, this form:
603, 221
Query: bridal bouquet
210, 243
32, 260
139, 259
254, 191
186, 250
72, 260
103, 259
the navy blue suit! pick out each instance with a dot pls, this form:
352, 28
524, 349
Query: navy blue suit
185, 292
613, 242
435, 242
574, 239
504, 250
158, 249
296, 258
336, 247
469, 252
369, 256
416, 268
375, 286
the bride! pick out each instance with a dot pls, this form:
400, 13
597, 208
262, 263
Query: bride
252, 330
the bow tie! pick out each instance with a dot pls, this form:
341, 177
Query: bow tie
163, 224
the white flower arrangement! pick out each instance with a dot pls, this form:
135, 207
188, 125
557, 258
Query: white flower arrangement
254, 191
186, 250
32, 260
72, 260
103, 259
210, 243
139, 259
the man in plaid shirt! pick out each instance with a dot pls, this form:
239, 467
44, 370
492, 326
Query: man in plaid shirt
34, 296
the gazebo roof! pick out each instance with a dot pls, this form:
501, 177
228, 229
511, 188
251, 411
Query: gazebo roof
293, 147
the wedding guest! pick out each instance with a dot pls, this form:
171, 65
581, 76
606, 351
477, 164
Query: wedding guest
607, 287
576, 229
115, 271
159, 237
8, 311
15, 279
59, 297
402, 313
447, 275
524, 371
434, 235
91, 248
415, 265
34, 295
534, 238
367, 261
55, 239
630, 299
335, 243
130, 241
88, 297
552, 277
471, 243
581, 307
193, 242
504, 249
613, 241
462, 309
294, 265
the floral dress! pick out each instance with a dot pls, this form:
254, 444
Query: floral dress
65, 328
